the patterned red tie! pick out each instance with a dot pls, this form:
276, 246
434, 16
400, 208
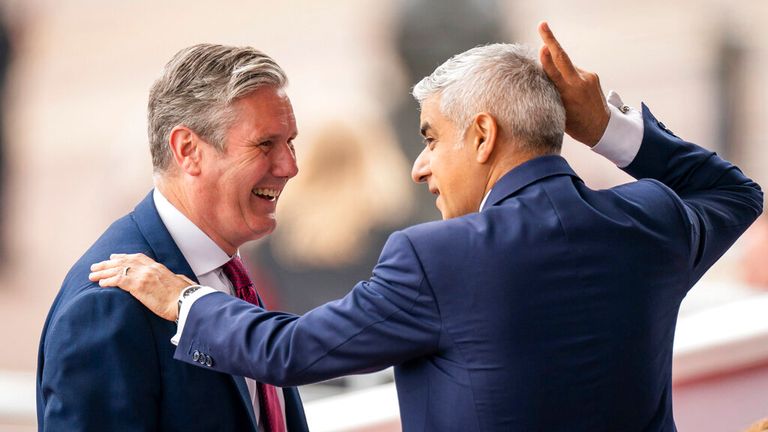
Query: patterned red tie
269, 404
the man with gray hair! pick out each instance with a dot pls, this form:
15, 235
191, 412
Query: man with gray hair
221, 131
537, 303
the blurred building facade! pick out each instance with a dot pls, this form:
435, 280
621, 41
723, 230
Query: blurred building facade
77, 155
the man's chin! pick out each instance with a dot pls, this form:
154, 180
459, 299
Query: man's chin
261, 228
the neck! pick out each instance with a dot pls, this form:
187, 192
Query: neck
505, 163
179, 197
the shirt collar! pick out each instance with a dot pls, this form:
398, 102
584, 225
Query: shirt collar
525, 174
202, 253
485, 198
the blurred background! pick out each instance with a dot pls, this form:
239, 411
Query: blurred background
74, 79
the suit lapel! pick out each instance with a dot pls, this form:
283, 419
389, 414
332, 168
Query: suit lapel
165, 251
242, 388
295, 419
154, 231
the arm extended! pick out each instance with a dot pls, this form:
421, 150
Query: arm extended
383, 321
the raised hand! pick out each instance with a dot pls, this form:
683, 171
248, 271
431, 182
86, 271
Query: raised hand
586, 112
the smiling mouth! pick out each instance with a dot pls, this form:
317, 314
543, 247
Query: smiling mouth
266, 194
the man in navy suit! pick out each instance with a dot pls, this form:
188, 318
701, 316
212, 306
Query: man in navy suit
220, 130
537, 303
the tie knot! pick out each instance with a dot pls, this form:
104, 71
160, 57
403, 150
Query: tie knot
241, 282
235, 271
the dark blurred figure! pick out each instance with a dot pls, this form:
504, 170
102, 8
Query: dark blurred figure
429, 32
299, 266
303, 266
5, 62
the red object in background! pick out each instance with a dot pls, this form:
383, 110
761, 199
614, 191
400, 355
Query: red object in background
266, 288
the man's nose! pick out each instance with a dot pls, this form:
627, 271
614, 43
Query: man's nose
420, 171
284, 164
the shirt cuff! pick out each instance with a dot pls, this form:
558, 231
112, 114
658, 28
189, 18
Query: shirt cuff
186, 305
622, 138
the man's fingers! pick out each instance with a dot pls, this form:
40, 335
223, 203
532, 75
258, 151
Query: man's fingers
549, 66
559, 57
120, 260
96, 276
108, 264
110, 281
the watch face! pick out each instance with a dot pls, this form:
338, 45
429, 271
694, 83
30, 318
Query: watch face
190, 290
186, 292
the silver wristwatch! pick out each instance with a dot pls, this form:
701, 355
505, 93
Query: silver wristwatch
186, 292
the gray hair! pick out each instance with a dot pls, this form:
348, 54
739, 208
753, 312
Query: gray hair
197, 89
506, 81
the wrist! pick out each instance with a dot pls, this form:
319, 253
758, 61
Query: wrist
623, 134
602, 122
186, 292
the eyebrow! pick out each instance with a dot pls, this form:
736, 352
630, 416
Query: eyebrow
271, 137
425, 127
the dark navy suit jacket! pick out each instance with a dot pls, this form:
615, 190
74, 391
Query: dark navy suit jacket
106, 362
553, 309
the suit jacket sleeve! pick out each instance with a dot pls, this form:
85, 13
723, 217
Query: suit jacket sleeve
383, 321
717, 202
101, 370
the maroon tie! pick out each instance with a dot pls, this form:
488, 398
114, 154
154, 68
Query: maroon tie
271, 414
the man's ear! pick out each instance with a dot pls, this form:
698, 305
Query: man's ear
185, 147
484, 130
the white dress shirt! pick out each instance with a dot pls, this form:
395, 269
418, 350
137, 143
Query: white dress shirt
205, 258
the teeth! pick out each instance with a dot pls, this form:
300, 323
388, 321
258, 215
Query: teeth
267, 193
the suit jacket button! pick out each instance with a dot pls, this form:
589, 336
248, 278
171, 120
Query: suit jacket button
196, 355
208, 361
666, 129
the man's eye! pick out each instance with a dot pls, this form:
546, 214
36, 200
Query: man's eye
429, 142
266, 146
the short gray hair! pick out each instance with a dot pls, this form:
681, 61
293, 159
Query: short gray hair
506, 81
197, 89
